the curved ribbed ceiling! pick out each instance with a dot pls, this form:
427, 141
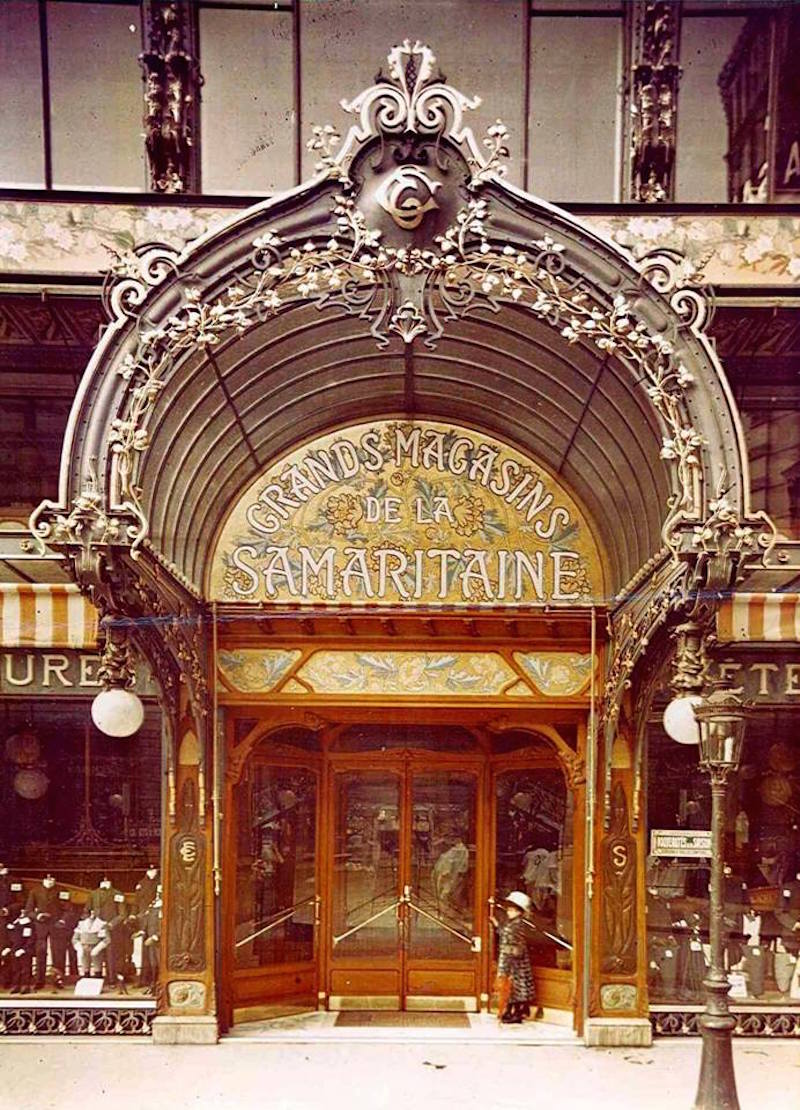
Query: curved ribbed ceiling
221, 421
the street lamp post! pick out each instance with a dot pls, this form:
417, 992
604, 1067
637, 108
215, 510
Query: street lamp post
721, 720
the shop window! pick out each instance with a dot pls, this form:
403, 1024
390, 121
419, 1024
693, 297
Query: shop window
301, 738
512, 740
761, 928
700, 167
773, 441
248, 123
534, 853
80, 844
275, 870
479, 45
31, 434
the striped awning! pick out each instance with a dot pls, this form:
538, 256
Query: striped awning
46, 616
764, 618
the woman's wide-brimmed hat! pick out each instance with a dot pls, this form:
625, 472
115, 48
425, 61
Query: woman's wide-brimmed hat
519, 899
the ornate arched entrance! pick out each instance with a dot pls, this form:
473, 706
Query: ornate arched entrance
407, 287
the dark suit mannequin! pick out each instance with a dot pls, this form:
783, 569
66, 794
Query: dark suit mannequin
22, 940
108, 904
152, 942
145, 893
51, 913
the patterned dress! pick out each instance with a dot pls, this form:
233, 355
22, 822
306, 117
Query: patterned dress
514, 975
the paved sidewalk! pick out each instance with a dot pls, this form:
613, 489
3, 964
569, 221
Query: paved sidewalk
52, 1074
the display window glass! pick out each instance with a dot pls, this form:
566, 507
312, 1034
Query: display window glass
534, 851
761, 927
275, 877
80, 847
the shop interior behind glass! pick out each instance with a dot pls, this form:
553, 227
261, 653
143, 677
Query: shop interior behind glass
761, 926
80, 835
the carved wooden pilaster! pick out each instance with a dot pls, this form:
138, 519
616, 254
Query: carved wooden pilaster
186, 928
654, 35
171, 95
619, 890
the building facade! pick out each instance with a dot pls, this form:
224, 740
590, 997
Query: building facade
405, 501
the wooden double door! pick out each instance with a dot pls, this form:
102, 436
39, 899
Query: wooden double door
364, 880
404, 879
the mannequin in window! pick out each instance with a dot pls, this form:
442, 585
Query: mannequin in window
787, 915
145, 890
108, 903
152, 941
5, 891
449, 876
50, 909
21, 939
91, 940
286, 843
143, 896
13, 902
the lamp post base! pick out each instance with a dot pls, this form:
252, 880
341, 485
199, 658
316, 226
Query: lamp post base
717, 1087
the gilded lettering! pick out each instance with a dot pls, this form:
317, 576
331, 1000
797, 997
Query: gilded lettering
55, 665
15, 680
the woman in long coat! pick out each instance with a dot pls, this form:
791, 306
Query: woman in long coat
515, 986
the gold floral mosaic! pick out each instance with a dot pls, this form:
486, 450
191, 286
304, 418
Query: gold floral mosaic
404, 673
432, 674
408, 513
556, 674
256, 671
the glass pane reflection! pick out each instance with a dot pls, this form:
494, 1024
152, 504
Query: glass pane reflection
442, 865
275, 880
535, 854
367, 855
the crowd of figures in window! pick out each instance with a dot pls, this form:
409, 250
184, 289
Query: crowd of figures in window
56, 936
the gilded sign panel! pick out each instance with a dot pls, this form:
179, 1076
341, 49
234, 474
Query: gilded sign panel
415, 513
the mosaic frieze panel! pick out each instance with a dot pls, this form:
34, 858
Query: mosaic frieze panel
480, 674
256, 671
556, 673
403, 673
70, 238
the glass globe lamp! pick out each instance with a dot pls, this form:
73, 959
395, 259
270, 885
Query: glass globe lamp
117, 712
680, 722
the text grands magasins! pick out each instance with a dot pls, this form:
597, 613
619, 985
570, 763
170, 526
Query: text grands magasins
408, 513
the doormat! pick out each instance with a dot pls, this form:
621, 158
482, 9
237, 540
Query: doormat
387, 1019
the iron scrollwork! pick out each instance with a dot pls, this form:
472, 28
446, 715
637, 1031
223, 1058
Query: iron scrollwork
753, 1023
76, 1020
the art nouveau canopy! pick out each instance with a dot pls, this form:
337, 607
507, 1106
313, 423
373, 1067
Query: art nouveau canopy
406, 281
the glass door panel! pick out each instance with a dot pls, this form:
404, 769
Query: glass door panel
276, 867
366, 866
441, 922
534, 853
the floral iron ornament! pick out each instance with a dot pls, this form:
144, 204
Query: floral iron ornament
466, 272
414, 100
409, 290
